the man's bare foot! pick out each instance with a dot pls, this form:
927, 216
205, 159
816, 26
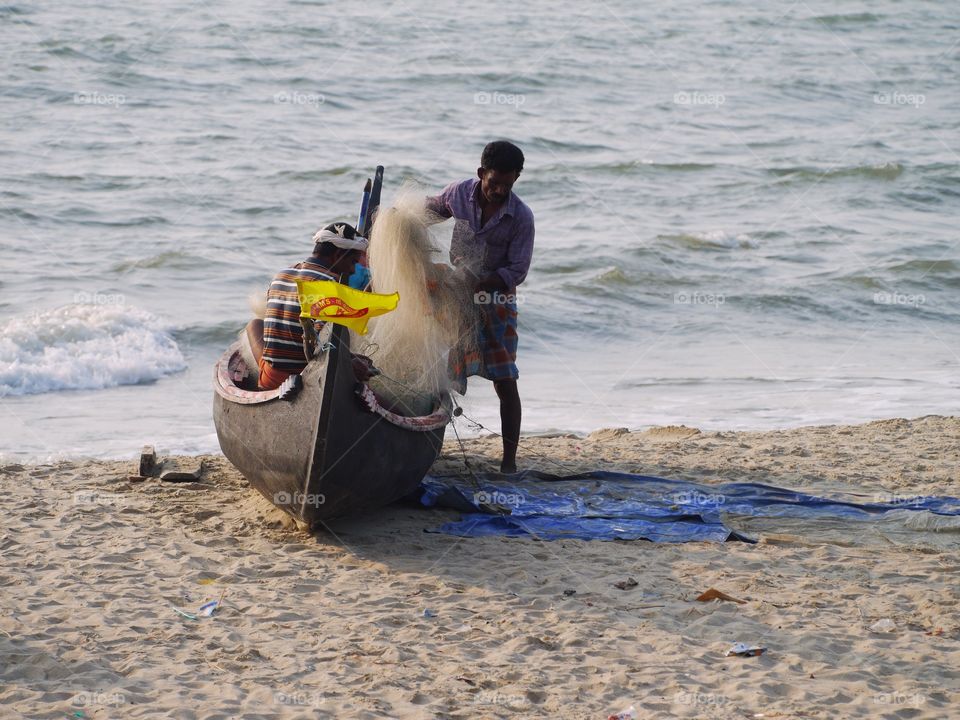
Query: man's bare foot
508, 468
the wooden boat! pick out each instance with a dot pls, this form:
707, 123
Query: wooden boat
322, 445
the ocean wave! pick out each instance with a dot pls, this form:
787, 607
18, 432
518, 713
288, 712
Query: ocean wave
560, 145
65, 51
260, 210
922, 201
878, 171
174, 259
803, 305
942, 171
861, 281
94, 182
84, 347
712, 239
315, 175
551, 267
137, 221
613, 276
624, 168
846, 19
677, 167
926, 268
19, 213
218, 335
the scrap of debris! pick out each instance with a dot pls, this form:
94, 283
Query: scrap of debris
168, 469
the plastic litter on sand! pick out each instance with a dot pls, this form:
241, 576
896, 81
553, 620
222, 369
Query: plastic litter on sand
743, 650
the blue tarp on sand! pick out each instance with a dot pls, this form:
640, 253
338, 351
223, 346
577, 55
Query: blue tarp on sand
619, 506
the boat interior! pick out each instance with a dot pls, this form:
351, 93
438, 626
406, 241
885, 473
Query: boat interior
242, 372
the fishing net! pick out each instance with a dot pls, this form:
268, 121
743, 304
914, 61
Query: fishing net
436, 313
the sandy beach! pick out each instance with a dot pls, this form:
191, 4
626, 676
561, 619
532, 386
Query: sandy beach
374, 618
728, 226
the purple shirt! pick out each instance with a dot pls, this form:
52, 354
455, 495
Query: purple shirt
504, 245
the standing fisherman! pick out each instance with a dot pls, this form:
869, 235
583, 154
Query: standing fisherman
493, 243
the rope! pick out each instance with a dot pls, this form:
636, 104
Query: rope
478, 424
370, 349
458, 412
474, 478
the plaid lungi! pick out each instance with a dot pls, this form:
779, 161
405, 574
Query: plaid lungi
494, 354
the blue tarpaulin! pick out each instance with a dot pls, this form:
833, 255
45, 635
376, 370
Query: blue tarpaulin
620, 506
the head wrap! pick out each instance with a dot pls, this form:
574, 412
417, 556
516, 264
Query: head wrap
341, 235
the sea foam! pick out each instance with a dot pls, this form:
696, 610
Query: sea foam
84, 347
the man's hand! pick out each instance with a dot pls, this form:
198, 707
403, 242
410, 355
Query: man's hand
489, 282
363, 368
309, 338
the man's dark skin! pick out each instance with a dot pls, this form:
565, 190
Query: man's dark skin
495, 187
341, 263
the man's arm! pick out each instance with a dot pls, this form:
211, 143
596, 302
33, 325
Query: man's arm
519, 254
439, 205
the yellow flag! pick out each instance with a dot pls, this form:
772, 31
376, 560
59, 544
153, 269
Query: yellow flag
332, 302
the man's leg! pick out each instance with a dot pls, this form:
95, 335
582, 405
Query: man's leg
509, 422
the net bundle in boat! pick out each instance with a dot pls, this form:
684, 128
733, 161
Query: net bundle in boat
436, 312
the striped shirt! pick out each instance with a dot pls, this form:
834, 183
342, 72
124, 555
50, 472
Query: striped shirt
282, 333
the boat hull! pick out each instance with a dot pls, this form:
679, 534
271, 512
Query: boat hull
321, 451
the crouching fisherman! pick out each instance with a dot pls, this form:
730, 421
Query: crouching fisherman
278, 341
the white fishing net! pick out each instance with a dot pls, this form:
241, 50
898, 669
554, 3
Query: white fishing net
436, 312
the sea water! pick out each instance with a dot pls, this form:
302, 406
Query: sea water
746, 213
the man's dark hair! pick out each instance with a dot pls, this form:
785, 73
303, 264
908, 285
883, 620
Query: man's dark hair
324, 249
502, 156
329, 250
